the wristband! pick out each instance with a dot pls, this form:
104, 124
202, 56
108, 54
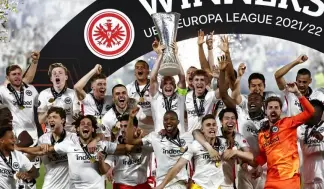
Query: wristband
182, 92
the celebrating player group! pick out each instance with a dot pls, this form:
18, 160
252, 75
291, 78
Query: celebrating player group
199, 133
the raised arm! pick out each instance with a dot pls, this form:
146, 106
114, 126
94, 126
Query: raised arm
102, 165
78, 87
130, 129
202, 57
224, 46
308, 109
154, 85
214, 155
279, 74
173, 172
31, 70
236, 93
228, 101
182, 75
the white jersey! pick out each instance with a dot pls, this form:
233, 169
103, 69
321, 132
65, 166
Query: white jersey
131, 169
228, 166
249, 129
109, 120
194, 121
159, 108
167, 154
83, 174
312, 150
90, 108
20, 163
56, 165
132, 93
206, 174
67, 101
293, 105
23, 119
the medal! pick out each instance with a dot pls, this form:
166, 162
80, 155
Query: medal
217, 164
141, 99
92, 160
99, 121
115, 130
51, 100
21, 107
182, 150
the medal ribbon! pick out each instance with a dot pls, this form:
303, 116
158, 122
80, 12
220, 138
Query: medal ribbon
141, 93
310, 133
177, 141
56, 94
9, 163
118, 115
19, 99
201, 110
62, 136
85, 150
99, 104
168, 102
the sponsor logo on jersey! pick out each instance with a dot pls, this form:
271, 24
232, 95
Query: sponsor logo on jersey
83, 157
54, 157
26, 103
131, 161
253, 131
173, 107
28, 92
145, 104
6, 173
193, 112
271, 141
206, 156
172, 152
313, 142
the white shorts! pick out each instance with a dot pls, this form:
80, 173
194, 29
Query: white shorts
245, 180
177, 185
313, 186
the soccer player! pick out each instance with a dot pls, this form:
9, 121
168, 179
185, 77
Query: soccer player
168, 147
278, 142
120, 107
248, 125
189, 72
54, 163
21, 99
139, 90
130, 170
303, 81
311, 137
29, 74
85, 168
200, 101
208, 173
58, 95
236, 144
13, 164
172, 97
95, 103
256, 83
